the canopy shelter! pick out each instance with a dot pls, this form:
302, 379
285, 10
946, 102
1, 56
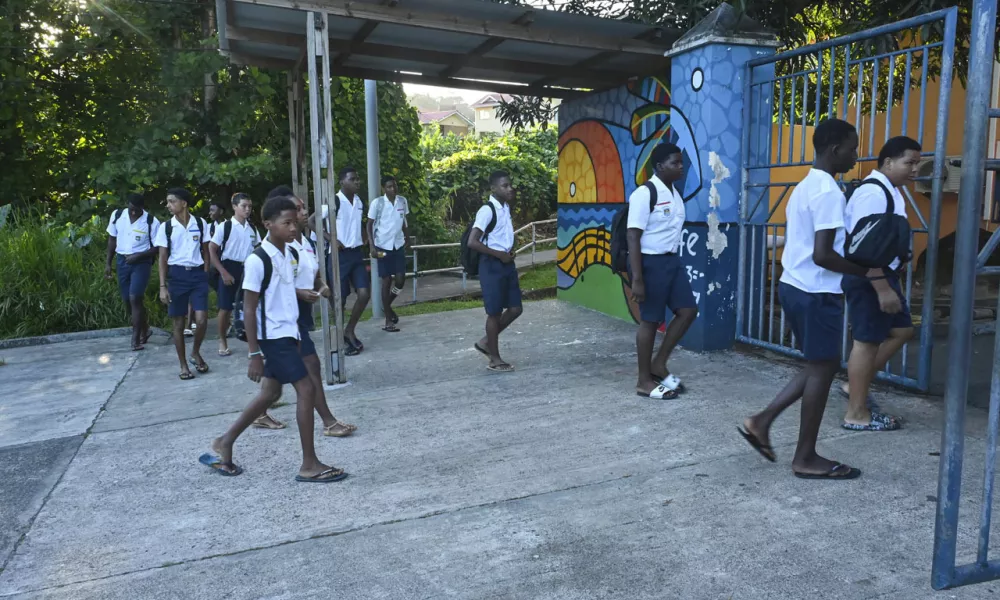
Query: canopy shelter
472, 44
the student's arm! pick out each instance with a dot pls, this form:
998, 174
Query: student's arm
161, 245
253, 275
406, 227
215, 255
112, 244
371, 235
483, 218
825, 256
638, 219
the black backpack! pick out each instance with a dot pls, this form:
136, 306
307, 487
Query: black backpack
619, 232
469, 257
239, 324
881, 238
170, 230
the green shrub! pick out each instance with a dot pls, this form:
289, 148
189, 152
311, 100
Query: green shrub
52, 279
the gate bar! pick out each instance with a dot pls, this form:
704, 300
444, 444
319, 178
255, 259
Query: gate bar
943, 571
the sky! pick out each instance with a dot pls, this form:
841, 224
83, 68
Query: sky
469, 96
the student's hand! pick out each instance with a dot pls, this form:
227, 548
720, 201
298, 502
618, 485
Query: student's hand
324, 291
132, 259
227, 278
256, 369
638, 291
888, 301
506, 257
107, 273
307, 296
164, 294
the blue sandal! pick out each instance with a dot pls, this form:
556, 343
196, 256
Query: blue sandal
878, 422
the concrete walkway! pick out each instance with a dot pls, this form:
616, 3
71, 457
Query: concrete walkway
555, 481
449, 285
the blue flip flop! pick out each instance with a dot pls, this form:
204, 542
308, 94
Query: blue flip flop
328, 476
215, 463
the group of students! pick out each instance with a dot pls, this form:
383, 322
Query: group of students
816, 277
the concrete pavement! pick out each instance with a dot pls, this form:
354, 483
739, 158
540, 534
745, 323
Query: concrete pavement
555, 481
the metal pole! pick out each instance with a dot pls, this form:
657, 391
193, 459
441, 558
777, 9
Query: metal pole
341, 370
374, 180
532, 244
416, 273
984, 14
293, 135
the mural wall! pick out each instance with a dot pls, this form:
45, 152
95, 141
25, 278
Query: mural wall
605, 143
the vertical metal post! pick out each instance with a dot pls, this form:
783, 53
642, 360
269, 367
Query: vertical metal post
374, 179
416, 273
293, 135
741, 267
533, 243
341, 367
984, 14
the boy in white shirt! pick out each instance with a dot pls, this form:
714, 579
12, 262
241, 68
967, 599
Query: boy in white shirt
131, 233
273, 338
493, 238
184, 275
878, 330
232, 242
659, 279
812, 301
387, 233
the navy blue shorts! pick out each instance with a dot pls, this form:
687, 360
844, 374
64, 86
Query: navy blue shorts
133, 279
187, 286
282, 361
817, 320
227, 293
868, 323
305, 320
499, 283
352, 271
306, 346
667, 286
393, 263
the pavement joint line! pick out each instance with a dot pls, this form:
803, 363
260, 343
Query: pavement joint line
86, 434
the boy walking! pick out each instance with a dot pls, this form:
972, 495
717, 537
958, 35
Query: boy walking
492, 237
130, 240
880, 320
273, 338
810, 296
232, 242
387, 233
659, 281
184, 275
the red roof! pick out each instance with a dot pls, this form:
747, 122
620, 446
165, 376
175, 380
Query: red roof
439, 115
492, 100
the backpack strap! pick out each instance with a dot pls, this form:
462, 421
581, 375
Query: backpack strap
493, 220
890, 202
117, 215
653, 196
170, 234
265, 281
227, 230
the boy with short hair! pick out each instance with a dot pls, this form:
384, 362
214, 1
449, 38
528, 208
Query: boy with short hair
659, 280
232, 242
811, 299
131, 233
497, 271
880, 321
273, 338
184, 275
387, 233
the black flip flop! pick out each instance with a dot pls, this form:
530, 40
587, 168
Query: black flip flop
215, 463
765, 450
318, 478
481, 350
201, 368
852, 473
186, 376
395, 318
351, 349
391, 328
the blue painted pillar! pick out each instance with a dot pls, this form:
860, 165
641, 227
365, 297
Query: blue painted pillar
707, 76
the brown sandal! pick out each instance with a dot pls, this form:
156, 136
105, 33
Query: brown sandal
339, 429
268, 422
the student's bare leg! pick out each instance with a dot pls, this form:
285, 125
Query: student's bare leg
179, 343
270, 390
865, 361
305, 395
759, 425
319, 397
264, 420
224, 318
138, 314
190, 317
814, 397
363, 295
645, 337
397, 282
682, 321
387, 298
505, 319
495, 324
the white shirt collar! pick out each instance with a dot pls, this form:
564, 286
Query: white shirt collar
493, 199
876, 174
270, 248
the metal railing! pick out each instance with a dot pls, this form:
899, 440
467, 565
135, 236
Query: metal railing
532, 245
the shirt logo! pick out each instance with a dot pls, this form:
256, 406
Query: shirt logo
860, 237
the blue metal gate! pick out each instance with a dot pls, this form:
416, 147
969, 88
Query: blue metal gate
877, 80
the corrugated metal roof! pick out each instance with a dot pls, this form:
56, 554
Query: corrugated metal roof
454, 43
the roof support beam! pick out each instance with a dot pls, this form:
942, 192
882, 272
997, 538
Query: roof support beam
526, 18
469, 84
359, 37
445, 22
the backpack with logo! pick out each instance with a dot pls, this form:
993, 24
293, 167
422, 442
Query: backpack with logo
619, 232
879, 239
149, 223
469, 258
239, 322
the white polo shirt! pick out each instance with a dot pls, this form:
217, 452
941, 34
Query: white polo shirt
661, 227
280, 303
349, 217
132, 237
869, 200
308, 264
502, 236
242, 240
185, 242
816, 204
389, 224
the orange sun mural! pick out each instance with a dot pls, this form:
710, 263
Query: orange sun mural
590, 169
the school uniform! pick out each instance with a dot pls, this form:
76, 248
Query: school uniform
305, 279
243, 238
187, 280
498, 280
131, 238
351, 259
868, 323
389, 218
277, 313
663, 274
810, 295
